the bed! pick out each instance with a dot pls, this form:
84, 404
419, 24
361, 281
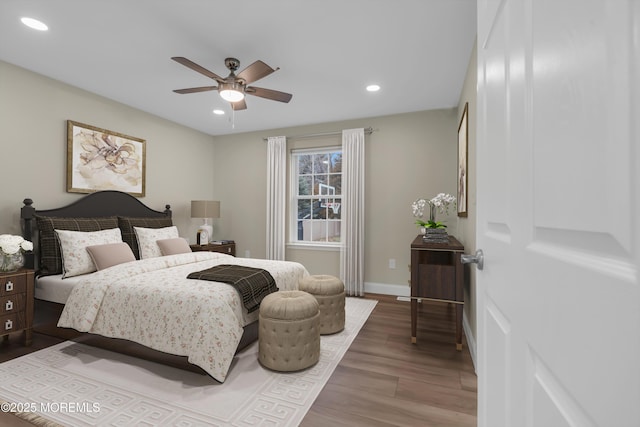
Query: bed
143, 306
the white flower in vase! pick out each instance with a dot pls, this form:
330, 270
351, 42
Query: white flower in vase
440, 203
12, 249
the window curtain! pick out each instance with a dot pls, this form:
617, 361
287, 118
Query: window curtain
276, 194
352, 250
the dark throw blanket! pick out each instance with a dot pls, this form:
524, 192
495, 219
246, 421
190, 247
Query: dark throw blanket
253, 284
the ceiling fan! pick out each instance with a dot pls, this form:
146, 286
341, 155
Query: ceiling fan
234, 87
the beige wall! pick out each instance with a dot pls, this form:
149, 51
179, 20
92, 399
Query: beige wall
408, 156
467, 226
33, 114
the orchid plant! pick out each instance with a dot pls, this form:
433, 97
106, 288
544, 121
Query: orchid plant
441, 203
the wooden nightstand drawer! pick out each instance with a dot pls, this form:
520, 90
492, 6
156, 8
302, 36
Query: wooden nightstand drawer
12, 303
226, 248
12, 284
12, 323
16, 304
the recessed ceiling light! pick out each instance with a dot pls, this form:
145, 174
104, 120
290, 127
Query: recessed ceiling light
35, 24
373, 88
218, 112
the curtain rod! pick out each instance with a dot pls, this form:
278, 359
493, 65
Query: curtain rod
369, 130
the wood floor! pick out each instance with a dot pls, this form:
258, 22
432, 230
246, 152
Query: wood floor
383, 379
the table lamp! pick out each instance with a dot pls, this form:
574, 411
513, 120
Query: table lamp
205, 209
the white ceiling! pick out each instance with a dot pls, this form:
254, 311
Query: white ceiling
327, 51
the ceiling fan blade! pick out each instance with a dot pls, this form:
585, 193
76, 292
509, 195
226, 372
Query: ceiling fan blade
255, 71
237, 106
196, 89
195, 67
268, 94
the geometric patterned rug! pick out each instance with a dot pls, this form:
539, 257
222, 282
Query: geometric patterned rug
78, 385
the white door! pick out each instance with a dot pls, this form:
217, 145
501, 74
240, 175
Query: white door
558, 213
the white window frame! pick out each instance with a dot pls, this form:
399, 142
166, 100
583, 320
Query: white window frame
293, 199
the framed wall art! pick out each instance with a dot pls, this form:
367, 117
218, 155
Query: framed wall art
463, 146
99, 159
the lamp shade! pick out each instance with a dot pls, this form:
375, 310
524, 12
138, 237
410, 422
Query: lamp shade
205, 209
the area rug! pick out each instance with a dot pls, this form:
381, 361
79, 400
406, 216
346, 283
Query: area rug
77, 385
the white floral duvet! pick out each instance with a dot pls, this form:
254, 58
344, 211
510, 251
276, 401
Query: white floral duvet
152, 303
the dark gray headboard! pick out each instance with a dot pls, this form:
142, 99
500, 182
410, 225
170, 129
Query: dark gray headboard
94, 205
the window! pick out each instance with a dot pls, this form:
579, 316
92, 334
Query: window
316, 189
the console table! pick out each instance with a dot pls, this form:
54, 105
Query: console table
437, 274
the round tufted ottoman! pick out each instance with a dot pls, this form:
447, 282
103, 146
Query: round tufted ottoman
289, 334
329, 291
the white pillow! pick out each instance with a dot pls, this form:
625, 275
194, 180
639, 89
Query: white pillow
147, 238
73, 247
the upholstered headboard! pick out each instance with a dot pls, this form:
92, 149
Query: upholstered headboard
100, 204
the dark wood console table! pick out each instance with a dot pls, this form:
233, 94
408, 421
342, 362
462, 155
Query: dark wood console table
437, 274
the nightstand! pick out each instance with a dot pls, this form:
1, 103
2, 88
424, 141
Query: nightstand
16, 304
227, 248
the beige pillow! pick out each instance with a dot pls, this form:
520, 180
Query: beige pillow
147, 238
178, 245
73, 244
104, 256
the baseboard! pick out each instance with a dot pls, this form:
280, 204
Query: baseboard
387, 289
471, 341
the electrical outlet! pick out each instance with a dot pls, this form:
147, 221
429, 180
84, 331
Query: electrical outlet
247, 253
392, 263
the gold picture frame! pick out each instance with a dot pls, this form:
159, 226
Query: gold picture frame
463, 178
99, 159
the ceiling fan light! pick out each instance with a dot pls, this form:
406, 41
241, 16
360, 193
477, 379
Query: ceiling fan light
230, 92
231, 95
